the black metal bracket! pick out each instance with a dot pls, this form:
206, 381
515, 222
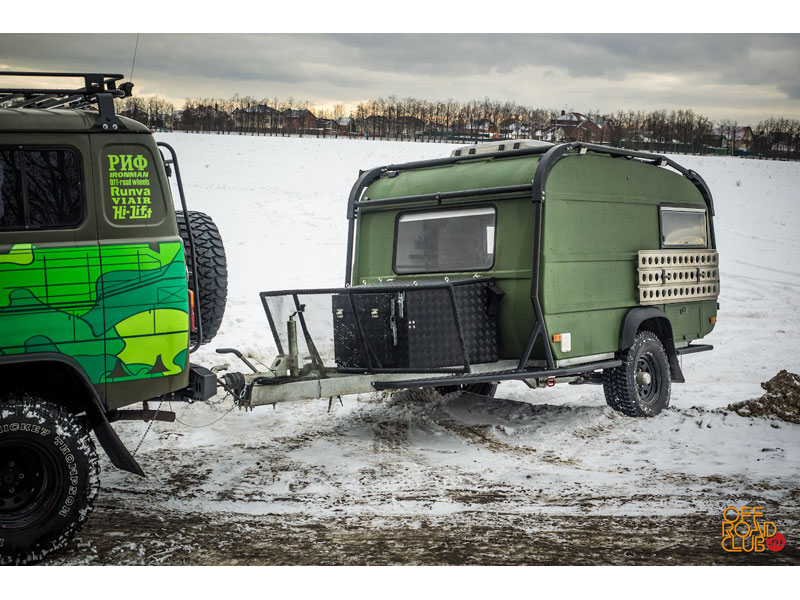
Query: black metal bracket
107, 120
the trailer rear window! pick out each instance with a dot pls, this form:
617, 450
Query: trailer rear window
445, 241
683, 227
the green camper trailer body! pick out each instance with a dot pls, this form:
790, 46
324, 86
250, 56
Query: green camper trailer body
598, 211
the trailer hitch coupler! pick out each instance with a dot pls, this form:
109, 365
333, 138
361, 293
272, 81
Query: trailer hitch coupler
234, 383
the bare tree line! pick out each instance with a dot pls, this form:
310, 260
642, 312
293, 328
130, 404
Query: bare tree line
475, 120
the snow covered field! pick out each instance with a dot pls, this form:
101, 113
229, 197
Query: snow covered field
532, 476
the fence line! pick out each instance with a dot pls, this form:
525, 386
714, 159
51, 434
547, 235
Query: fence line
655, 147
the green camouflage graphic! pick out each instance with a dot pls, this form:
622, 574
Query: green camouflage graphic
121, 311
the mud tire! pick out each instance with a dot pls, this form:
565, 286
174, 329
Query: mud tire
49, 479
212, 270
626, 391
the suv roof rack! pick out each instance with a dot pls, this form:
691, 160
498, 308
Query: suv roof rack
98, 89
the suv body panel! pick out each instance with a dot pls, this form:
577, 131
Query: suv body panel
110, 294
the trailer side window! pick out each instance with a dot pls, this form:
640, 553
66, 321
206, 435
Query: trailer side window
683, 227
445, 241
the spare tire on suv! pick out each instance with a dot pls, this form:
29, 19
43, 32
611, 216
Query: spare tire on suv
212, 270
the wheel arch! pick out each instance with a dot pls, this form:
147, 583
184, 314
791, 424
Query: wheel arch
655, 320
66, 385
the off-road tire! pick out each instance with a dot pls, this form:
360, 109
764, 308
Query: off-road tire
49, 478
482, 389
212, 271
637, 398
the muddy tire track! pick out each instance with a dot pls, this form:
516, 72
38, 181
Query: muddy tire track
117, 535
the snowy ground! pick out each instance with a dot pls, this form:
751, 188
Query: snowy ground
530, 477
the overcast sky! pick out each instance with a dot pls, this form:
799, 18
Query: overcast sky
745, 77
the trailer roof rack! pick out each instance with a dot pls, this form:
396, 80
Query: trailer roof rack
98, 89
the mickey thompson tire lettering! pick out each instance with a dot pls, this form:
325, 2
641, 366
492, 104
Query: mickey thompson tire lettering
49, 478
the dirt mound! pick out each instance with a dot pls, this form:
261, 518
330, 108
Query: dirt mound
782, 399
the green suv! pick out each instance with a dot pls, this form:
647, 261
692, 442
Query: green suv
104, 294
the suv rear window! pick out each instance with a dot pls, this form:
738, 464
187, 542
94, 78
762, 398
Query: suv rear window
445, 241
683, 227
40, 188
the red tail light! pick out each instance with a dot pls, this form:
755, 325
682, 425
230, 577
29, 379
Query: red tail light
192, 311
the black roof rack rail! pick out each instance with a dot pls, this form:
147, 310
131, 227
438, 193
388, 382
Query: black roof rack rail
98, 89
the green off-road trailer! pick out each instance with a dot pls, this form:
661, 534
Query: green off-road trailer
516, 260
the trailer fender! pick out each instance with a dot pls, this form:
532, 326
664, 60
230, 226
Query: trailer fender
86, 400
651, 318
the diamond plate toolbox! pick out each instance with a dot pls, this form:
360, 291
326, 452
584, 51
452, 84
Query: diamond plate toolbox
416, 328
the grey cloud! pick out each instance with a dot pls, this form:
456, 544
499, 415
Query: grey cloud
353, 67
791, 89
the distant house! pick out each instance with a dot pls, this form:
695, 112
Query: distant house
373, 125
483, 129
545, 135
346, 125
327, 127
605, 126
515, 129
577, 127
258, 116
409, 126
298, 121
732, 137
205, 117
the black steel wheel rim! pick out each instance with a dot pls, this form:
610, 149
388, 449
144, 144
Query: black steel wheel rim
649, 391
28, 480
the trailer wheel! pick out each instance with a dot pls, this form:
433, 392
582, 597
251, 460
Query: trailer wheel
49, 478
640, 387
212, 270
481, 389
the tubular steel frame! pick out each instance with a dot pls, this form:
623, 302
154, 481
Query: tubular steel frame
173, 160
363, 344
